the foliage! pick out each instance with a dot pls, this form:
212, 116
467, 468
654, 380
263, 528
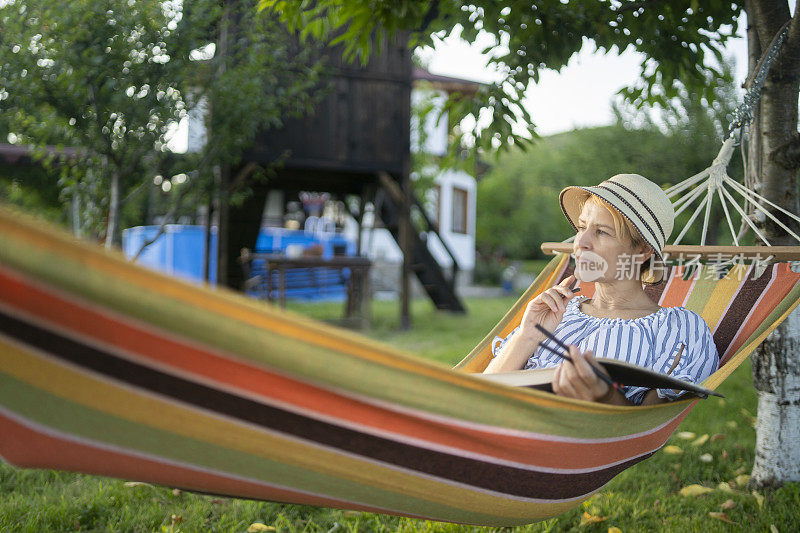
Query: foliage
518, 205
488, 270
646, 497
679, 42
517, 202
259, 78
95, 75
34, 189
113, 77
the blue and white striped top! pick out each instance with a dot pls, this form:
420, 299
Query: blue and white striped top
652, 341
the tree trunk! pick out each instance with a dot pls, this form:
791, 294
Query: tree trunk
77, 222
112, 227
776, 367
207, 253
776, 376
223, 209
406, 244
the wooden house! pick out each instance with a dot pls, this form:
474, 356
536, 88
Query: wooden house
355, 142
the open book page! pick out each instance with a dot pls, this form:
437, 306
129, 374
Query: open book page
625, 374
539, 378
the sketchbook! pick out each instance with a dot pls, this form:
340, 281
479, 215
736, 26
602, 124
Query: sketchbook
626, 374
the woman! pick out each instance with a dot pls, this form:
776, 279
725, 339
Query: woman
622, 225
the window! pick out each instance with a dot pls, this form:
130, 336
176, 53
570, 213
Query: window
459, 210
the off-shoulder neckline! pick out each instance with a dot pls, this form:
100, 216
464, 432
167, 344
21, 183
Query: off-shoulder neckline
647, 318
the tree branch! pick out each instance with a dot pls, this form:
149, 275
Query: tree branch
111, 155
242, 176
164, 222
134, 192
430, 16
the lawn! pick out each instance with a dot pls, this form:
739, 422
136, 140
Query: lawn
712, 449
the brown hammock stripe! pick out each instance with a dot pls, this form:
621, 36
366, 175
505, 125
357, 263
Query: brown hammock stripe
522, 482
655, 291
742, 304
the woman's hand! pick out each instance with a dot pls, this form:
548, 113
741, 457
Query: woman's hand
578, 380
547, 309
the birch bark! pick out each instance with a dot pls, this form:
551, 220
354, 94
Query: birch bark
776, 375
776, 364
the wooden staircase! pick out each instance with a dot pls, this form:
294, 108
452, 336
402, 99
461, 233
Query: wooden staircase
438, 284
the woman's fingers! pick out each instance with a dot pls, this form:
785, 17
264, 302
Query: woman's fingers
549, 307
561, 295
555, 297
565, 287
565, 384
577, 379
553, 302
558, 299
582, 367
568, 282
583, 376
587, 371
564, 293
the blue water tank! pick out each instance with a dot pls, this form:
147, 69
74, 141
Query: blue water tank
180, 251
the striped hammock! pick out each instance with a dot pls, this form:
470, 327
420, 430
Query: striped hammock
111, 369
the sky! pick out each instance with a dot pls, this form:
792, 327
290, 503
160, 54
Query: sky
579, 95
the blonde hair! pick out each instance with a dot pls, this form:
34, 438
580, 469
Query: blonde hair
625, 230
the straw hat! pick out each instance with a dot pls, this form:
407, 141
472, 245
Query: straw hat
639, 200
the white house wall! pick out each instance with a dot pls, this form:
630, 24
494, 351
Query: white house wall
436, 126
461, 244
379, 245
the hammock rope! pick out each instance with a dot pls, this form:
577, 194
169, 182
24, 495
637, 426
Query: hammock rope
743, 115
712, 181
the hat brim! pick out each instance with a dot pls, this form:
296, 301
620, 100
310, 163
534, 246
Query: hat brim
571, 200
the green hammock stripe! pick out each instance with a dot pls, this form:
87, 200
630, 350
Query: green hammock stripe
701, 292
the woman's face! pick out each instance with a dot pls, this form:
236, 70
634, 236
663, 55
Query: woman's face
600, 255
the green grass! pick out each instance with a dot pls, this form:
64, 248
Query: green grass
643, 498
436, 335
534, 266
